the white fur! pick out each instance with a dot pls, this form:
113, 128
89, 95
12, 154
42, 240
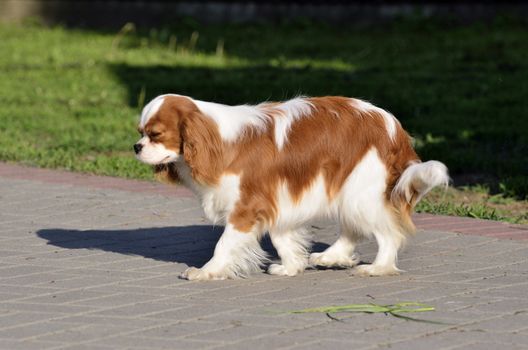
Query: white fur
288, 112
363, 211
155, 153
339, 254
237, 254
313, 204
292, 247
422, 177
360, 205
361, 198
232, 121
218, 202
151, 109
388, 118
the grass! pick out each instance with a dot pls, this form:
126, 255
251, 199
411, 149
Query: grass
475, 202
395, 310
70, 98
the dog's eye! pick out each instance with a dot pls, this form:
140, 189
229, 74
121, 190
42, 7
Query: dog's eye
154, 134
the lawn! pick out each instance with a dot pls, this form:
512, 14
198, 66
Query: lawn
70, 98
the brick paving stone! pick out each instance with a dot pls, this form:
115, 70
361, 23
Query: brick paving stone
279, 341
331, 344
137, 342
89, 262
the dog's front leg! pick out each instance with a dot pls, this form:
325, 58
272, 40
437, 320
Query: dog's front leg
237, 254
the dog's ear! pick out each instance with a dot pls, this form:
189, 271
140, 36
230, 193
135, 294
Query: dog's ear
166, 173
202, 148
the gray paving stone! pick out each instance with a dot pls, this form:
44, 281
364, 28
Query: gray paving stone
506, 340
184, 329
142, 309
12, 318
135, 342
279, 341
47, 308
86, 332
189, 312
434, 341
239, 332
489, 345
133, 321
27, 291
37, 280
9, 344
505, 324
145, 291
115, 300
88, 346
85, 268
63, 297
331, 344
33, 330
259, 319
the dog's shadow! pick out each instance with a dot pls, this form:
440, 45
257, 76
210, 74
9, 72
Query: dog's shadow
191, 245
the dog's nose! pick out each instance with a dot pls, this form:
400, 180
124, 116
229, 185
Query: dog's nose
138, 147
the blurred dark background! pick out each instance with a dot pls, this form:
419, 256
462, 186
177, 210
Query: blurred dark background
113, 14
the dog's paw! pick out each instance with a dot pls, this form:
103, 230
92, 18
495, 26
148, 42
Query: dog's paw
327, 260
196, 274
375, 270
281, 270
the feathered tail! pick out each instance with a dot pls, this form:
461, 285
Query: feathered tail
413, 184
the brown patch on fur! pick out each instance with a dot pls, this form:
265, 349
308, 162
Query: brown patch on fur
166, 173
181, 127
330, 141
396, 162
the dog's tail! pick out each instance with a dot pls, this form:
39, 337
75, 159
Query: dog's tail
414, 183
418, 179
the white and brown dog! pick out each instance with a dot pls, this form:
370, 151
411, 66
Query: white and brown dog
274, 167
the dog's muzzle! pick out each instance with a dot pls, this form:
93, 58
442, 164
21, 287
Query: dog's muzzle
138, 147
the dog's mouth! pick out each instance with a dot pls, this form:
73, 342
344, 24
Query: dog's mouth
166, 160
170, 159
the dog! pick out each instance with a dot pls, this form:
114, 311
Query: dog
275, 166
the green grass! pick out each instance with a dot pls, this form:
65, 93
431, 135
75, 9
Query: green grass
475, 202
395, 310
70, 98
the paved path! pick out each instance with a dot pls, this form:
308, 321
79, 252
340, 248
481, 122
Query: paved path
92, 262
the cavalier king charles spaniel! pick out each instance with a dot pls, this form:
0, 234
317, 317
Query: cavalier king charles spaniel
275, 166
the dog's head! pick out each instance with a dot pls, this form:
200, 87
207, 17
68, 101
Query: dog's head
174, 130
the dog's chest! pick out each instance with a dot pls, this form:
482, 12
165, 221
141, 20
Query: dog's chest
218, 201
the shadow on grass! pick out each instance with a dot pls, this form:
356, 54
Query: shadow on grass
232, 85
191, 245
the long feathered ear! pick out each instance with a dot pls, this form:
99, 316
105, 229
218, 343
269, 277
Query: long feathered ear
166, 173
202, 148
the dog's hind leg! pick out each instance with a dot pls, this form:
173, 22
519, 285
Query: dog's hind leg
390, 238
341, 253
